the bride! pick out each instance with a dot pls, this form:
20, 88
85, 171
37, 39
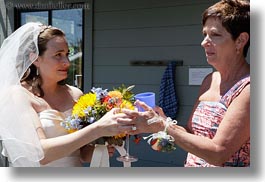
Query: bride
34, 100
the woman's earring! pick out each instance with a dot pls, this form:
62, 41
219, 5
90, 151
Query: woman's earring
37, 72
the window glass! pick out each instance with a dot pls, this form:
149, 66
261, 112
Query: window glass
40, 16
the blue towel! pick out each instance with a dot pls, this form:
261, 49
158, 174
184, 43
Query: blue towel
168, 100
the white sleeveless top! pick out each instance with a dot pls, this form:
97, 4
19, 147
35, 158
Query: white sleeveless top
50, 120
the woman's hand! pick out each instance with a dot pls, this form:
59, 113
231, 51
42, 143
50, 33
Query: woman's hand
148, 121
108, 125
160, 111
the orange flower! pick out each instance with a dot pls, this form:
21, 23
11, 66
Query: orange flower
115, 94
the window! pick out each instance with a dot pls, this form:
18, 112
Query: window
71, 22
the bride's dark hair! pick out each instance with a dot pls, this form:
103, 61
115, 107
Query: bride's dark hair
31, 77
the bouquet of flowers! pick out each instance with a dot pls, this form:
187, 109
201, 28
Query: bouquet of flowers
91, 106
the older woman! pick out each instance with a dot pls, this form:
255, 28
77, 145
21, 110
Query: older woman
218, 131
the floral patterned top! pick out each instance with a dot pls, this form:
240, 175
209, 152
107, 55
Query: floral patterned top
205, 122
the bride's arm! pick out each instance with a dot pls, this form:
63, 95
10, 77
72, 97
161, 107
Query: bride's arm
58, 147
62, 146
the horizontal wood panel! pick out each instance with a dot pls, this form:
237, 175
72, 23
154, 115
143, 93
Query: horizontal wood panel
123, 56
186, 94
183, 114
138, 87
117, 5
156, 17
151, 75
153, 37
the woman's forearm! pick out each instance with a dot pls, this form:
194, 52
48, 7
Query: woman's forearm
62, 146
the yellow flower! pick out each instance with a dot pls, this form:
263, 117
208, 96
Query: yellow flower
87, 100
127, 105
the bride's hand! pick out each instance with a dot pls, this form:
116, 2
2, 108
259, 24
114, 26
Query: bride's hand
109, 126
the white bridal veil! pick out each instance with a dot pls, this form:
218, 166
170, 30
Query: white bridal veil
17, 118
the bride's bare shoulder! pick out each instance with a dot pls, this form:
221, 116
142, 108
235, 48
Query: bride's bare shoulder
75, 92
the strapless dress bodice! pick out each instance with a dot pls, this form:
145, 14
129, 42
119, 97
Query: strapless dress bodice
51, 123
51, 119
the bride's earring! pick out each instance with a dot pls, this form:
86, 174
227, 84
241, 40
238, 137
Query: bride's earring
37, 72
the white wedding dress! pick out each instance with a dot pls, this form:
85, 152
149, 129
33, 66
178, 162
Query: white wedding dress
50, 120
